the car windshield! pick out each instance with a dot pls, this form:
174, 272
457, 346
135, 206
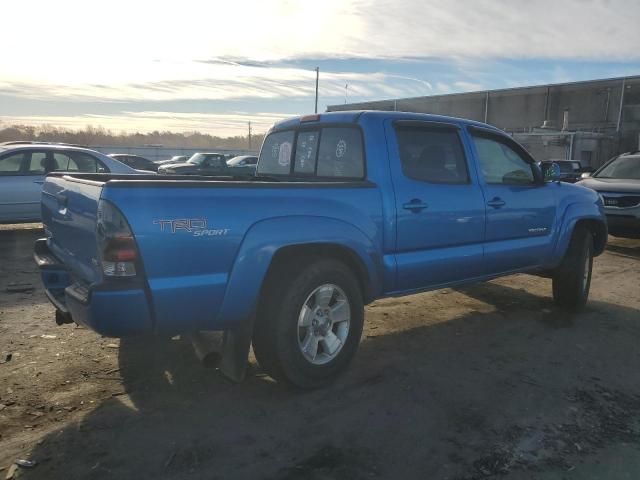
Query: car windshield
236, 160
621, 167
197, 158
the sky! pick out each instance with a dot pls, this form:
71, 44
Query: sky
213, 66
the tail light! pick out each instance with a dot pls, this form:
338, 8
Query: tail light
116, 245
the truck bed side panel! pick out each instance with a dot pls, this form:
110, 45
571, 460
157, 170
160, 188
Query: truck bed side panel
189, 238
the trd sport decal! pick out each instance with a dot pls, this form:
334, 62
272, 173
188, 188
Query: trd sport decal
195, 226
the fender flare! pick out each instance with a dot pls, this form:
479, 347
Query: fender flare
575, 213
266, 237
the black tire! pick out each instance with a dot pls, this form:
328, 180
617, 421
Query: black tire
570, 281
275, 337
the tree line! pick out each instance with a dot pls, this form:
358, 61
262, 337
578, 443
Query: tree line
91, 135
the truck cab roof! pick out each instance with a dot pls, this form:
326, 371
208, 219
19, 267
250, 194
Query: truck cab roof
353, 116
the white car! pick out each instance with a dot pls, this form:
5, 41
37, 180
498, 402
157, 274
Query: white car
23, 168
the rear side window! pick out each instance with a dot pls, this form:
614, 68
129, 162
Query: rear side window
83, 162
329, 152
432, 154
340, 154
275, 154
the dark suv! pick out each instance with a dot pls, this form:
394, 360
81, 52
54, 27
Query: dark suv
135, 161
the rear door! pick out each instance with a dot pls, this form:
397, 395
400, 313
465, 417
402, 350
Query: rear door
439, 205
521, 208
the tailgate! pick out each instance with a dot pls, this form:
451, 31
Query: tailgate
69, 208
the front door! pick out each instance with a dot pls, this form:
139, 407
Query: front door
521, 208
439, 206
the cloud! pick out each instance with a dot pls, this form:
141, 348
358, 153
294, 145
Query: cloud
252, 32
214, 81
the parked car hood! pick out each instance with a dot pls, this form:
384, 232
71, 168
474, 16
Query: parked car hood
167, 162
180, 167
614, 185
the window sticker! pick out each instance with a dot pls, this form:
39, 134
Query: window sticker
341, 148
284, 154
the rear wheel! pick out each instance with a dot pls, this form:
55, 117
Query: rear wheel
572, 279
308, 329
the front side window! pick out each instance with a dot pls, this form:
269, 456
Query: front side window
433, 155
11, 164
501, 164
214, 161
83, 162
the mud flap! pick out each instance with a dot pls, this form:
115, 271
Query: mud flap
235, 350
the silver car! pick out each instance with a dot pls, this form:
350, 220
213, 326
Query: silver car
24, 166
618, 183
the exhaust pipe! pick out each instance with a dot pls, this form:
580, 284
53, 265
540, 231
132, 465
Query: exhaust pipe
208, 347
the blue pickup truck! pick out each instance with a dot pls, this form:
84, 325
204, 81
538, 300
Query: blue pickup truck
345, 208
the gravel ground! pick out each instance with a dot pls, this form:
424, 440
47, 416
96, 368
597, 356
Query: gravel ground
485, 381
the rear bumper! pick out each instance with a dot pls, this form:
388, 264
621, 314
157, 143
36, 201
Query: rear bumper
113, 311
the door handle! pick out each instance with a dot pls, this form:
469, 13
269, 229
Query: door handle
497, 202
39, 182
415, 205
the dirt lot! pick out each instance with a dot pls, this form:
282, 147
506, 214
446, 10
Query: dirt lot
479, 382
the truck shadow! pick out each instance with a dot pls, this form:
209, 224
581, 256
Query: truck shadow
496, 389
625, 248
19, 277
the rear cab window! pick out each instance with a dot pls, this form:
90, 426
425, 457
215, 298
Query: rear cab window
320, 152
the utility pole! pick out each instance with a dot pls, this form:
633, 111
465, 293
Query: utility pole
317, 77
249, 136
346, 92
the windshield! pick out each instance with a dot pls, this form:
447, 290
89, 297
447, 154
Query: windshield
197, 158
242, 160
235, 161
621, 167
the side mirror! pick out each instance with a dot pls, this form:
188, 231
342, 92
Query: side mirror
585, 175
551, 172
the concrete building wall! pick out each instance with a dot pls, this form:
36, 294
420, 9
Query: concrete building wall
592, 106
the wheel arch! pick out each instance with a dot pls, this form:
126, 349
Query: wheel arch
584, 215
271, 242
292, 254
